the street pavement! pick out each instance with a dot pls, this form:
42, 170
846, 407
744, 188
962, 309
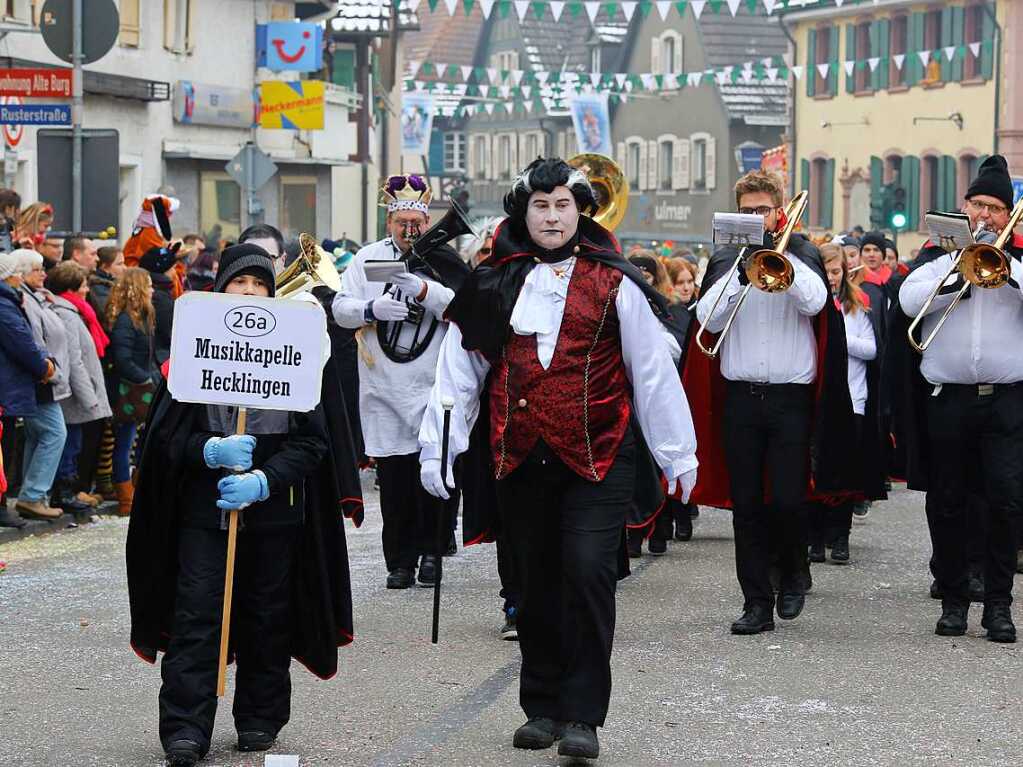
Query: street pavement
858, 679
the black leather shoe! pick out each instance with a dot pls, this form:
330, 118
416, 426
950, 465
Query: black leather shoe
539, 732
840, 551
657, 545
952, 622
255, 740
754, 620
580, 741
936, 590
400, 578
428, 570
790, 605
683, 525
998, 622
183, 753
510, 630
817, 553
976, 588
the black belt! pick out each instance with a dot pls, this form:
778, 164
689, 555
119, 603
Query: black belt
762, 390
979, 390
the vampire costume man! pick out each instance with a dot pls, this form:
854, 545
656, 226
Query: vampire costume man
292, 595
772, 412
557, 328
402, 328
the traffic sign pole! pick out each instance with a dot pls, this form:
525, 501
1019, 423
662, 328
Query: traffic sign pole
76, 117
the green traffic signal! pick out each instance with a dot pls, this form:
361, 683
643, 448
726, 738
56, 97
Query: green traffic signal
898, 220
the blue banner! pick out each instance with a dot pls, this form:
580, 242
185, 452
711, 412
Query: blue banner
35, 114
1017, 189
292, 46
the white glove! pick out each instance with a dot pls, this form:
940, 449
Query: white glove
388, 309
429, 475
687, 482
409, 284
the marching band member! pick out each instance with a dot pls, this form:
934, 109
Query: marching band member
968, 424
784, 395
404, 321
557, 326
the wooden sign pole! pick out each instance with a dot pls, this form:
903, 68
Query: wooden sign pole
232, 541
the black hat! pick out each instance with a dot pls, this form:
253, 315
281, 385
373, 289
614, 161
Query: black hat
993, 180
849, 239
239, 260
158, 260
890, 245
873, 238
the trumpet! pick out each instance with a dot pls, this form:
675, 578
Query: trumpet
982, 264
767, 269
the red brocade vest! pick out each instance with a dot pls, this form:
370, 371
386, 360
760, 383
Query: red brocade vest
580, 405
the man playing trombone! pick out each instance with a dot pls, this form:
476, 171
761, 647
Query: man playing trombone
781, 387
970, 310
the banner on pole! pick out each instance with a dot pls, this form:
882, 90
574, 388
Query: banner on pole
416, 123
592, 124
297, 105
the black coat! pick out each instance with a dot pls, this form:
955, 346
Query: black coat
163, 305
100, 285
131, 352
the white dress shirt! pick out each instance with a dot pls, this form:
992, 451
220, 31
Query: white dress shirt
862, 345
392, 395
772, 339
660, 403
979, 344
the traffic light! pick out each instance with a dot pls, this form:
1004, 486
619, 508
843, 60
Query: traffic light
881, 207
897, 217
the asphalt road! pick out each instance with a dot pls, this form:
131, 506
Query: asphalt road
858, 679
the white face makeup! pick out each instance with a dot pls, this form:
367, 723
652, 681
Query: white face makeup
552, 218
269, 244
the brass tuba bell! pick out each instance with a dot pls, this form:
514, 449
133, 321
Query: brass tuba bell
313, 267
609, 185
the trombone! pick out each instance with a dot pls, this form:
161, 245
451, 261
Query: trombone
767, 269
982, 264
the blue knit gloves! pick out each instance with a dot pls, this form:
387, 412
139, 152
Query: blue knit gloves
240, 490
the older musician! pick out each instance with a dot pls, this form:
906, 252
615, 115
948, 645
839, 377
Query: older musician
402, 331
971, 414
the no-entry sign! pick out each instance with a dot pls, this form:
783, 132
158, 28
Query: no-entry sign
36, 83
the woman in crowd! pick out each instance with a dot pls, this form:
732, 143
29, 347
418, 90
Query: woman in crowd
87, 409
109, 266
23, 366
132, 320
33, 223
161, 264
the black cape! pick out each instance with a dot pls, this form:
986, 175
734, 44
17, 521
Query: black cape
321, 588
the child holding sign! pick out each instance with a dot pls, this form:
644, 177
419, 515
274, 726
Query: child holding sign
194, 469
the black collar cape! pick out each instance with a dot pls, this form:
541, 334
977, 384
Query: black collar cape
832, 476
321, 590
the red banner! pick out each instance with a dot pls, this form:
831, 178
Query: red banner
36, 83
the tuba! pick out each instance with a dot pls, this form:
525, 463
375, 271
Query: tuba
313, 267
609, 185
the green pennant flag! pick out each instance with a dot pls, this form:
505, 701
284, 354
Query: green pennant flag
503, 7
468, 6
752, 5
759, 73
477, 73
427, 68
574, 9
612, 10
505, 74
433, 5
680, 8
538, 10
659, 80
645, 7
715, 6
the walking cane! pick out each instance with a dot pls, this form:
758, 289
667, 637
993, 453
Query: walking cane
232, 540
443, 527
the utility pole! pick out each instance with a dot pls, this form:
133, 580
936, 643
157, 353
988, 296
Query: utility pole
76, 117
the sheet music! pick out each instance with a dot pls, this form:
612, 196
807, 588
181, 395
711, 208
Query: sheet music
738, 229
384, 271
950, 230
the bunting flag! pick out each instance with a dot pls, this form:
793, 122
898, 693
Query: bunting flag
611, 9
898, 60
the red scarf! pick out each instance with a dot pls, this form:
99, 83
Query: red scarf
99, 337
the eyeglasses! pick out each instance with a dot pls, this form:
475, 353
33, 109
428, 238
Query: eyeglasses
992, 210
761, 210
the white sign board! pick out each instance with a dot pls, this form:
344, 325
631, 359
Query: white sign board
247, 351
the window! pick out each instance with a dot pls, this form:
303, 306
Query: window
932, 42
531, 148
892, 168
504, 157
506, 60
899, 47
668, 55
699, 165
220, 204
298, 205
665, 161
128, 35
633, 166
974, 30
861, 72
595, 58
931, 184
823, 55
18, 10
454, 152
178, 26
479, 157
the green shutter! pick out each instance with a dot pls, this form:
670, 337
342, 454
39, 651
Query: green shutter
850, 55
342, 71
909, 179
914, 69
947, 183
835, 66
881, 75
876, 182
987, 40
827, 214
804, 173
811, 63
946, 39
435, 161
958, 40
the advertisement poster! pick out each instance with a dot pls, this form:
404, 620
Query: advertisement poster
592, 124
295, 105
416, 123
289, 46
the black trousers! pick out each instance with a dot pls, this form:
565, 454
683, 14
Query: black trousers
88, 458
565, 533
409, 512
260, 633
975, 440
767, 431
829, 523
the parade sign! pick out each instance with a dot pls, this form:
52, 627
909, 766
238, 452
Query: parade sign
36, 83
247, 352
297, 105
35, 114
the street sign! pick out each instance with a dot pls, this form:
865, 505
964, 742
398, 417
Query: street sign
251, 156
35, 114
36, 83
100, 26
12, 133
101, 176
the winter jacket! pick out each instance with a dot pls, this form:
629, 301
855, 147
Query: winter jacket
49, 333
131, 354
22, 362
100, 285
88, 400
163, 304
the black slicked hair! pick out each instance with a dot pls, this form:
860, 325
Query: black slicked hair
544, 175
263, 232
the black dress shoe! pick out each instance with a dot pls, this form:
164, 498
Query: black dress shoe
657, 545
539, 732
817, 553
428, 570
510, 630
952, 622
683, 525
840, 550
400, 578
754, 620
998, 622
579, 741
255, 740
976, 588
790, 605
183, 753
936, 590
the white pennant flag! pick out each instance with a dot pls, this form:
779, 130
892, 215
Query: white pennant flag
975, 49
797, 72
542, 75
528, 105
592, 9
721, 77
873, 62
848, 68
527, 91
505, 91
466, 73
413, 68
899, 58
628, 86
747, 76
671, 82
556, 8
440, 68
697, 6
414, 5
628, 8
647, 80
595, 78
492, 75
823, 69
767, 62
769, 6
624, 98
728, 72
950, 52
663, 6
521, 6
694, 78
620, 78
772, 73
517, 76
451, 4
486, 6
489, 107
925, 57
838, 3
733, 6
420, 85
